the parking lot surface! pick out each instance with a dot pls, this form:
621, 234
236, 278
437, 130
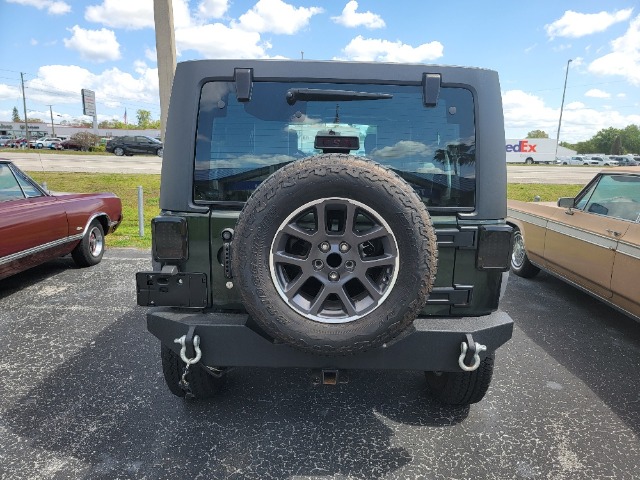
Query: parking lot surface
82, 396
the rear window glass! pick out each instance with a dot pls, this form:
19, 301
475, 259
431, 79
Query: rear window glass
239, 144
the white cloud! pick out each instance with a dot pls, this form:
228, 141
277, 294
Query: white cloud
350, 18
624, 60
8, 92
276, 16
151, 54
53, 7
524, 112
219, 41
371, 49
574, 25
94, 45
597, 93
213, 8
61, 84
134, 14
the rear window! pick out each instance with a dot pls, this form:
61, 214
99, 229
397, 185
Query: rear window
240, 144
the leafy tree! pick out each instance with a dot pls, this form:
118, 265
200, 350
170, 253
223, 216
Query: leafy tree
15, 116
616, 148
606, 141
144, 118
537, 134
86, 140
34, 120
630, 137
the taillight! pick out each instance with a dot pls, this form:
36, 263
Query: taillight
169, 239
494, 247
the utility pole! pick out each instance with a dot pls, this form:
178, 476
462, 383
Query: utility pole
566, 75
166, 51
53, 129
24, 106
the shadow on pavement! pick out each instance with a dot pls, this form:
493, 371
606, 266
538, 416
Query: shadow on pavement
594, 342
108, 407
34, 275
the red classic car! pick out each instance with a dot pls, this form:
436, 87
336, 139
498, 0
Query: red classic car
36, 227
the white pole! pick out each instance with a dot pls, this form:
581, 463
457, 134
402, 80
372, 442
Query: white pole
140, 213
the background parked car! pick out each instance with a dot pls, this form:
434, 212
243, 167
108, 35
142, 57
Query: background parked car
19, 142
46, 142
4, 140
71, 145
36, 227
602, 161
130, 145
574, 160
624, 161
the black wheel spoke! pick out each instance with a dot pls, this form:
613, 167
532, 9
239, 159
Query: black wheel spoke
297, 232
288, 259
381, 261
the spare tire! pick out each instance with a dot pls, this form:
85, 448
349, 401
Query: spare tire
334, 254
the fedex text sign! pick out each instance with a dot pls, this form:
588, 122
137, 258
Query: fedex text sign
523, 146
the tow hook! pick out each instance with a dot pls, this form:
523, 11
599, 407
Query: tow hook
328, 376
470, 350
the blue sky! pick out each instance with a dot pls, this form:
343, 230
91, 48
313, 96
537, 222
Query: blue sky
108, 46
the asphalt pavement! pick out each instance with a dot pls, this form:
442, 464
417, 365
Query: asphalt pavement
82, 396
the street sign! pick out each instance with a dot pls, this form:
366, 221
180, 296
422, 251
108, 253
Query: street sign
88, 102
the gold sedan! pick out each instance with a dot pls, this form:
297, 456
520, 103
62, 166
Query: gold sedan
591, 241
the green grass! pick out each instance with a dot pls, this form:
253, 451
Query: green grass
126, 187
548, 192
123, 185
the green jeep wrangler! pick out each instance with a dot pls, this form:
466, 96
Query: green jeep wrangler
331, 216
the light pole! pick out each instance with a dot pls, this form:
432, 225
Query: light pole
53, 129
564, 90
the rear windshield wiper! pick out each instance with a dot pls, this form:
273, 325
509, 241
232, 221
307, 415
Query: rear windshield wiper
295, 94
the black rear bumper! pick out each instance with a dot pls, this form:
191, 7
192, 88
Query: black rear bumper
233, 340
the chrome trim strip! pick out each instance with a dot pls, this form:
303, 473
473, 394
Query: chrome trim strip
585, 236
629, 249
40, 248
528, 217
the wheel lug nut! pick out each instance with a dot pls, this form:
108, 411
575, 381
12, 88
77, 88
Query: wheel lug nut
325, 247
318, 264
333, 276
350, 265
344, 247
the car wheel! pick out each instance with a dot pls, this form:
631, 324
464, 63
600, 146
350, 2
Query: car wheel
91, 248
159, 152
565, 163
520, 264
202, 385
118, 151
461, 388
529, 161
345, 267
